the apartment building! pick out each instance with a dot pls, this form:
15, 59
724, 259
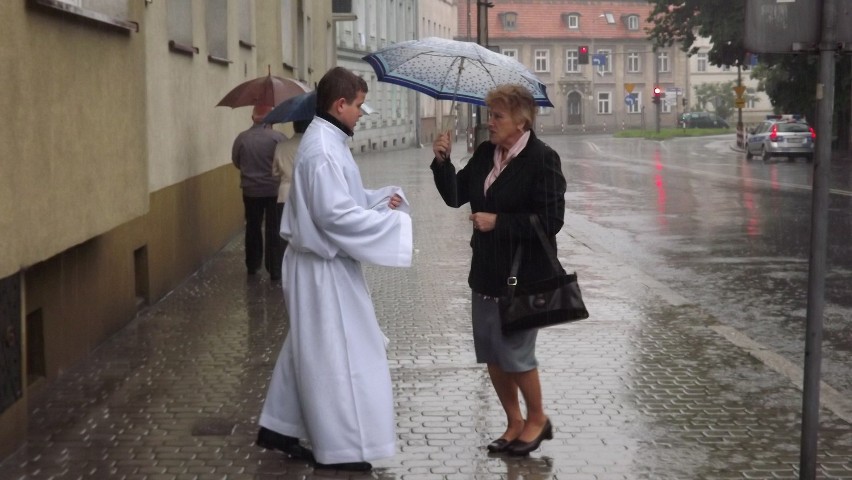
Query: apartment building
614, 89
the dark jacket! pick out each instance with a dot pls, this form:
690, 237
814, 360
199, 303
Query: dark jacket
532, 183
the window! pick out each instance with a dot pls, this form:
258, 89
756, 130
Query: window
751, 98
663, 62
509, 20
112, 13
701, 60
216, 21
511, 52
636, 105
603, 60
179, 17
571, 59
633, 63
542, 60
632, 22
245, 15
604, 102
667, 102
610, 18
571, 20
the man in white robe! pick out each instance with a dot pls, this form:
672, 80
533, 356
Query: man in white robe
331, 383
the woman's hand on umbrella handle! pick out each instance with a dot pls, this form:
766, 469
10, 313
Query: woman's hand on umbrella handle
442, 147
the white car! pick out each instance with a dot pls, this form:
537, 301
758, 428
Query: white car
781, 138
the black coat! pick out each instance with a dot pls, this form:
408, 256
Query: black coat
532, 183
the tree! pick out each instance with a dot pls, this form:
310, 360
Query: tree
720, 95
682, 21
788, 79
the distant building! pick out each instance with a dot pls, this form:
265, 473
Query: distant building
614, 90
371, 26
757, 104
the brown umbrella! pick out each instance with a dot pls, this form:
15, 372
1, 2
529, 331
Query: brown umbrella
269, 90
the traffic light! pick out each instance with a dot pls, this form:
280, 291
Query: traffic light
657, 94
583, 55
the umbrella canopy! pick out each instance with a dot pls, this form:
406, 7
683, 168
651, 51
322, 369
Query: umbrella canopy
452, 70
268, 90
300, 107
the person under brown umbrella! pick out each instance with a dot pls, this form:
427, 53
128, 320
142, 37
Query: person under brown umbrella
253, 154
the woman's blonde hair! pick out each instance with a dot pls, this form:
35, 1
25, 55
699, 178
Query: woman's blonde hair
517, 100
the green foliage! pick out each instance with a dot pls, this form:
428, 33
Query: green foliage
682, 21
720, 95
667, 133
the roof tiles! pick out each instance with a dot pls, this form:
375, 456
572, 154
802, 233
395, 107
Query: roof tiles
543, 19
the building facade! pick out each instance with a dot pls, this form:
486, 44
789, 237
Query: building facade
118, 181
372, 25
614, 90
701, 72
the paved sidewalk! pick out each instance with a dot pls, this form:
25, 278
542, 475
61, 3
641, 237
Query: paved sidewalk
644, 389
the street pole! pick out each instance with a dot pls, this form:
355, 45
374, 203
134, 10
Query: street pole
657, 83
482, 39
819, 228
740, 132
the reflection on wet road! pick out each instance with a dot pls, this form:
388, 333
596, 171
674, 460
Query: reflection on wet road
730, 235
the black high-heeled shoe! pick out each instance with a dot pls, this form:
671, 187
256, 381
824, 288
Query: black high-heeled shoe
520, 449
499, 445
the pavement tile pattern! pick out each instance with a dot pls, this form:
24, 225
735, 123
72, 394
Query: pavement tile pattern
644, 389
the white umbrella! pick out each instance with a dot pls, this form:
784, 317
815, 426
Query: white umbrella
452, 70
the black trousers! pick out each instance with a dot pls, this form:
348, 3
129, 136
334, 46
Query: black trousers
263, 242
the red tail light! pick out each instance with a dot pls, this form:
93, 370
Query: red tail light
813, 133
773, 136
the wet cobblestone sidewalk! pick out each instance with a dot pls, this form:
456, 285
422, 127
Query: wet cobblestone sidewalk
644, 389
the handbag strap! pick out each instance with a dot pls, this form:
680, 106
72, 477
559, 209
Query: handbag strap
548, 247
512, 281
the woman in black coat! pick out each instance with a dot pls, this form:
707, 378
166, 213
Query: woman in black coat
509, 178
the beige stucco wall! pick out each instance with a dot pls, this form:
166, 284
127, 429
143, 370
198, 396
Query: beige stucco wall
188, 135
73, 159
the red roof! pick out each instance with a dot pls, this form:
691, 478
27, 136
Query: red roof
544, 19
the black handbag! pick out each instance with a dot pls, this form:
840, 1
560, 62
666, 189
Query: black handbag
541, 303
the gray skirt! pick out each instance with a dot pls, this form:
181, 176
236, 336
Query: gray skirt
514, 352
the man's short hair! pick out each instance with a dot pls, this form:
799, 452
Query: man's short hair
338, 83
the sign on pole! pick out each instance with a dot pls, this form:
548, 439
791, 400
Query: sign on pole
787, 26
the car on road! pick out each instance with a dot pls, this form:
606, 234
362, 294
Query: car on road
781, 138
702, 120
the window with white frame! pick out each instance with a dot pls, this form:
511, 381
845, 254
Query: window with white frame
751, 98
701, 62
571, 61
633, 62
667, 102
511, 52
606, 65
509, 20
571, 20
636, 105
633, 22
663, 62
604, 102
542, 60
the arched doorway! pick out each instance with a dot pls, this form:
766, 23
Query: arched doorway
574, 107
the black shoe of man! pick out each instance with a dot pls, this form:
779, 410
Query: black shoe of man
349, 467
270, 440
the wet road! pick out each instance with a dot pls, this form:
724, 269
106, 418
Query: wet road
730, 235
